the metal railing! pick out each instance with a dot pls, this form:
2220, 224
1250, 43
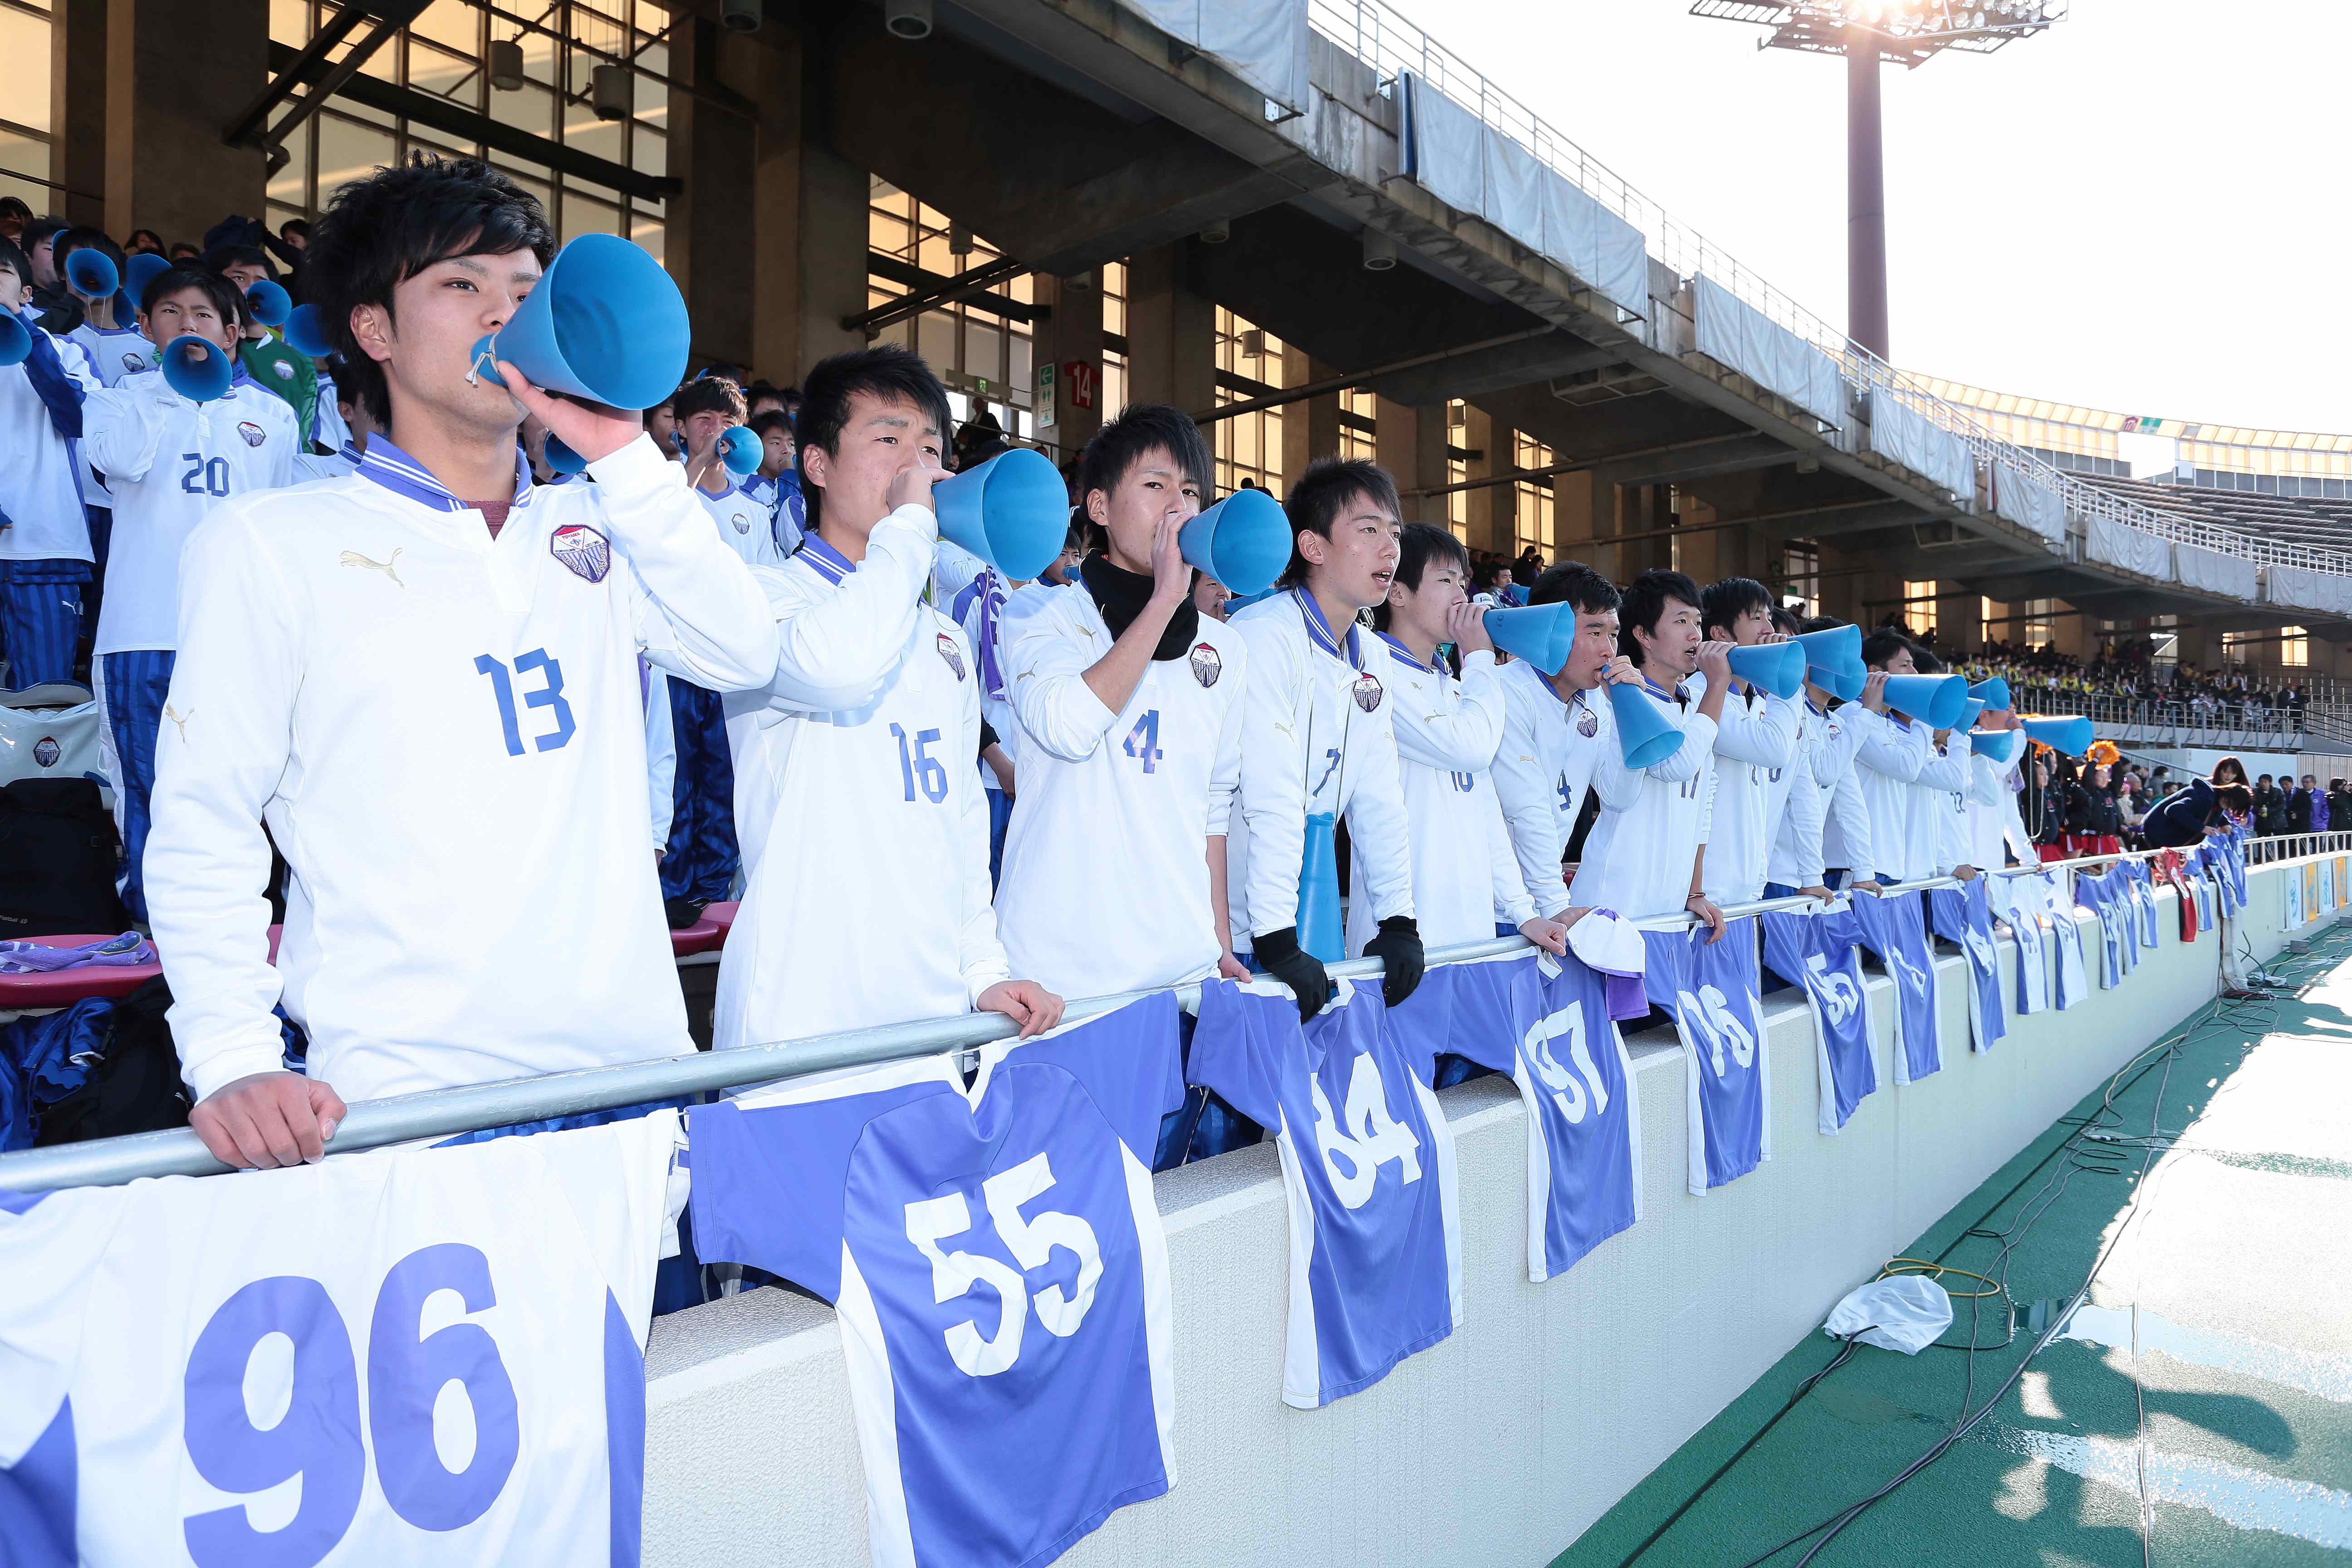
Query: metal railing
2198, 721
442, 1112
1379, 36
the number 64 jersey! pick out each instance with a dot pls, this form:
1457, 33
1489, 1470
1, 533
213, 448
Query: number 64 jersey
427, 1357
997, 1261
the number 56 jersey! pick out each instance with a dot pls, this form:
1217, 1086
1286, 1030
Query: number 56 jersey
425, 1357
998, 1268
1368, 1165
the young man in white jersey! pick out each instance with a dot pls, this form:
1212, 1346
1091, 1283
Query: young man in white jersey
44, 550
874, 910
1128, 704
1946, 787
1756, 749
1649, 858
1894, 751
776, 484
1465, 879
1823, 823
1560, 738
170, 463
1318, 736
425, 679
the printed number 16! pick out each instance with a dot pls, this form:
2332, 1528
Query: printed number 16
921, 765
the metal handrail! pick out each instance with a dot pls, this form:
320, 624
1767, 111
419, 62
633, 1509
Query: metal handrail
1380, 37
441, 1113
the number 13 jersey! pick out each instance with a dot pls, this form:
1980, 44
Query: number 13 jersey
999, 1267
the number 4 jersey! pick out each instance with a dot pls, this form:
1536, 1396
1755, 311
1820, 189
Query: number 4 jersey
996, 1259
421, 1357
1367, 1162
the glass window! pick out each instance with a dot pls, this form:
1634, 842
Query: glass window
1531, 500
1918, 607
2295, 647
935, 339
528, 109
349, 151
649, 150
1248, 446
26, 39
984, 349
1113, 279
454, 77
649, 233
585, 215
291, 186
289, 22
597, 137
1801, 574
453, 23
27, 157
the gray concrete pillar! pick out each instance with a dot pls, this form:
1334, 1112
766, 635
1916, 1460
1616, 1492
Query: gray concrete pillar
77, 68
176, 75
1067, 357
1171, 334
1310, 428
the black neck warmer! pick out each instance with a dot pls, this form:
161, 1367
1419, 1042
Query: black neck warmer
1122, 595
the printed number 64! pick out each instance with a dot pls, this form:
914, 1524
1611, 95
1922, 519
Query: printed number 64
318, 1437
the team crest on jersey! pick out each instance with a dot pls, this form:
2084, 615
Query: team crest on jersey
1367, 693
133, 364
254, 433
1588, 724
1206, 665
949, 652
587, 552
45, 752
285, 371
742, 525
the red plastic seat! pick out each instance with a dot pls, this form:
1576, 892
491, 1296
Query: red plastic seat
64, 987
708, 934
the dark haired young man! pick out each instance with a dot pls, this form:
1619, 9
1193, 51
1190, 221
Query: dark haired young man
45, 552
1318, 736
1823, 825
866, 736
425, 678
1129, 707
1649, 858
1465, 879
267, 358
170, 463
116, 348
1895, 751
777, 483
1560, 738
1755, 748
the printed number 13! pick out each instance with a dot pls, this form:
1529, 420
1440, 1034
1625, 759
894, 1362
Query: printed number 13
549, 696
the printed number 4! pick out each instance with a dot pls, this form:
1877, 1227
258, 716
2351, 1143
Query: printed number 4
922, 765
1143, 741
1031, 1240
318, 1438
549, 695
1371, 1138
203, 477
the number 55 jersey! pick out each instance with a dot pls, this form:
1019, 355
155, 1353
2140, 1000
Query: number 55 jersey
427, 1357
997, 1261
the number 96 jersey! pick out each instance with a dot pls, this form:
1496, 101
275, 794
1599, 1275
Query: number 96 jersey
363, 1361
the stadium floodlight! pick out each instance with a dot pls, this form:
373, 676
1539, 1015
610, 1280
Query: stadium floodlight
1911, 33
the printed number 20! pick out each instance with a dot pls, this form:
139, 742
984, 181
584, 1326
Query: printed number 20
318, 1438
203, 477
549, 695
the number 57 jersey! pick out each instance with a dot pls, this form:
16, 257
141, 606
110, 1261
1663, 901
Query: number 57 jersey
1368, 1165
997, 1261
426, 1357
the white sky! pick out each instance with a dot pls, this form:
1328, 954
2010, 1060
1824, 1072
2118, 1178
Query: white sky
2144, 209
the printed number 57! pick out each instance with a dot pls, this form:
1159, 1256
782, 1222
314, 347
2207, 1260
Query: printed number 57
1031, 1239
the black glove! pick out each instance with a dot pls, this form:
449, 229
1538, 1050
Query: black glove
1398, 947
1278, 950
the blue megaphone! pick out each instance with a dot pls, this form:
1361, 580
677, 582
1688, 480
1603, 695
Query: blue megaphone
1969, 712
1013, 511
1644, 735
1998, 745
1844, 683
1243, 542
1778, 667
15, 338
740, 449
1834, 648
91, 273
1543, 634
604, 322
563, 459
1993, 694
271, 304
1937, 700
1320, 931
304, 334
2069, 737
141, 270
197, 370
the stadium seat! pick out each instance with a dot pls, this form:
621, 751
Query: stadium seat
708, 934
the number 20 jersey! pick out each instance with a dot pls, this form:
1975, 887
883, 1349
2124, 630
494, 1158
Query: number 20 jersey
426, 1357
1367, 1167
998, 1264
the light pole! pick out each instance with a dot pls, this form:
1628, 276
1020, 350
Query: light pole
1866, 32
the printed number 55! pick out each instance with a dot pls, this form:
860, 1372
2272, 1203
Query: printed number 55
1031, 1240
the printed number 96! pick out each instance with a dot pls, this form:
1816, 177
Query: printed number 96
318, 1436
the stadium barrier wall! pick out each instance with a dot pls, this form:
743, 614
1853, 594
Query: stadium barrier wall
1504, 1443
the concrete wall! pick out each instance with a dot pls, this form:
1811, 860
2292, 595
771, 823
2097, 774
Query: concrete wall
1504, 1443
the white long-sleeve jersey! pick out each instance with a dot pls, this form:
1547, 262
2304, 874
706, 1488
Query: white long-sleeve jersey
1755, 761
745, 522
171, 462
1553, 750
1948, 808
1813, 831
877, 911
1894, 750
1638, 860
1464, 876
115, 353
38, 491
661, 758
1318, 735
446, 735
1995, 829
1144, 789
